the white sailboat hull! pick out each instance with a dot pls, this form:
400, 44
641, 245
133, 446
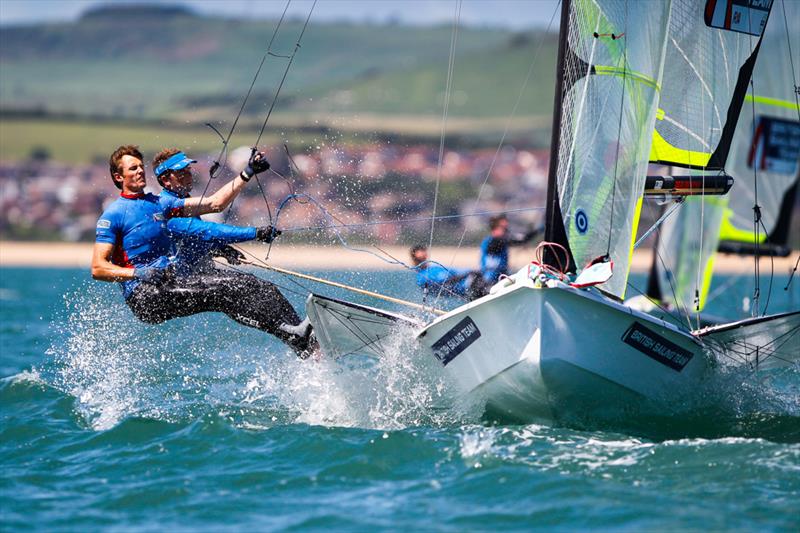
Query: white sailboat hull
545, 353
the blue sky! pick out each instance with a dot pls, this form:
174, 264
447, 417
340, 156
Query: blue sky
516, 14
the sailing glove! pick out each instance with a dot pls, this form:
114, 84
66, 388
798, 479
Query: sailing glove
230, 254
267, 233
151, 274
257, 164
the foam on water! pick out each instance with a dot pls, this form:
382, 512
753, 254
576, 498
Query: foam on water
399, 390
635, 461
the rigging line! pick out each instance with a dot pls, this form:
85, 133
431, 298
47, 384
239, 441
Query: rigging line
232, 267
361, 335
657, 304
219, 162
793, 272
391, 261
340, 238
660, 221
791, 59
275, 100
745, 349
771, 272
445, 111
756, 217
329, 216
784, 337
285, 73
797, 106
756, 207
700, 251
669, 279
253, 82
508, 126
619, 129
411, 220
773, 353
722, 289
678, 305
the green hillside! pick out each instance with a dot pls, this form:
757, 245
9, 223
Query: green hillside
168, 63
485, 83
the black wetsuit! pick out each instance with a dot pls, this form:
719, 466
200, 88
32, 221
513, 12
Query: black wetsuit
247, 299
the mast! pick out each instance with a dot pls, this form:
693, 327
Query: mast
554, 230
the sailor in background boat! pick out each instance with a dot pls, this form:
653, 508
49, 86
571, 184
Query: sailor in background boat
133, 247
434, 277
494, 248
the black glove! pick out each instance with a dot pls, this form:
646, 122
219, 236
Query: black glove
258, 163
230, 254
155, 275
267, 233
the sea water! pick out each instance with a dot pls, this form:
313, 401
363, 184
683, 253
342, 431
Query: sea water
200, 423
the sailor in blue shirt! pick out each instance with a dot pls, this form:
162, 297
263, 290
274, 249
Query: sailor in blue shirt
494, 248
433, 277
133, 247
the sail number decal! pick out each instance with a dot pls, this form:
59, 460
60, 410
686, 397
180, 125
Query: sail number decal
775, 146
455, 341
657, 347
742, 16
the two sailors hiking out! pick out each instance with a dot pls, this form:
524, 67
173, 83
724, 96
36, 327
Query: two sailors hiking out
161, 252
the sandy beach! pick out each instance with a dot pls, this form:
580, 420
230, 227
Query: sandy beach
79, 255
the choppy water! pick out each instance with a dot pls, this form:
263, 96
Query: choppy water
203, 424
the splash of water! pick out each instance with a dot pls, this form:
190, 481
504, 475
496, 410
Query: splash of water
401, 389
102, 361
116, 367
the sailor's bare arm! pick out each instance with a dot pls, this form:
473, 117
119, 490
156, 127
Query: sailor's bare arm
220, 200
102, 267
215, 203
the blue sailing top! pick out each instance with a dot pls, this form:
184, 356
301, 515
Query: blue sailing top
195, 239
135, 224
494, 258
434, 276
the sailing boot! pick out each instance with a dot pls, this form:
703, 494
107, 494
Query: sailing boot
301, 339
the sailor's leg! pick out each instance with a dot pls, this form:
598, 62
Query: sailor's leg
247, 299
257, 303
155, 304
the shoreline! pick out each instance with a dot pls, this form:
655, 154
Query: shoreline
304, 257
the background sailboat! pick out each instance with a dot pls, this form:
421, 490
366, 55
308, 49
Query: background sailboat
763, 160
